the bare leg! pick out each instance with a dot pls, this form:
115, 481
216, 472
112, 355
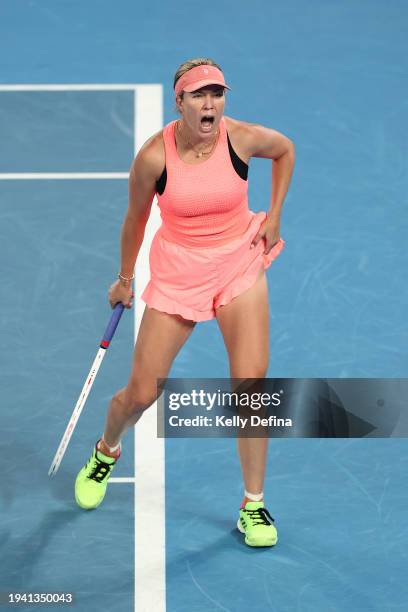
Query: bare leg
244, 324
118, 420
160, 338
253, 454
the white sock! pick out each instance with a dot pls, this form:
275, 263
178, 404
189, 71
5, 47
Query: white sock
112, 449
253, 496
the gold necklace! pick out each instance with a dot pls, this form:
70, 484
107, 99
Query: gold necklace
198, 153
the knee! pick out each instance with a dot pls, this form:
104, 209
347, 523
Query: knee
137, 397
255, 371
259, 371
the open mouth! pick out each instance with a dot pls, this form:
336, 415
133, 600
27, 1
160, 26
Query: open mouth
207, 121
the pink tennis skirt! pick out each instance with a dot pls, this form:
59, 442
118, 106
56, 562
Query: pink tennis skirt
194, 281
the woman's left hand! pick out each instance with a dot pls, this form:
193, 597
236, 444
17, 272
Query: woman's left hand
270, 230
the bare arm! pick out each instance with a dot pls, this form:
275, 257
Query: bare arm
142, 178
267, 143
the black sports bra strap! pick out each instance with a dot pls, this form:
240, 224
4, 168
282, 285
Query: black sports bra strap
241, 168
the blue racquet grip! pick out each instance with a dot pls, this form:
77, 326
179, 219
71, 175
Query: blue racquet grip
112, 325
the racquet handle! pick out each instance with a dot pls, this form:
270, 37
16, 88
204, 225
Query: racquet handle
112, 325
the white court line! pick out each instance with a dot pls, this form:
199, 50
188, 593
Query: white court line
149, 479
75, 87
150, 551
52, 176
147, 89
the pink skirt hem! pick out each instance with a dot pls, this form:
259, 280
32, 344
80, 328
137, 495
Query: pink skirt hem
155, 299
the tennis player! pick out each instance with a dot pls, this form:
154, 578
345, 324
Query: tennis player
207, 260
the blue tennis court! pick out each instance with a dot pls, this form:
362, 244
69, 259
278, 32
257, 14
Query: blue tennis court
83, 85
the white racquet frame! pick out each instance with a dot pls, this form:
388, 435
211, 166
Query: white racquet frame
109, 333
77, 412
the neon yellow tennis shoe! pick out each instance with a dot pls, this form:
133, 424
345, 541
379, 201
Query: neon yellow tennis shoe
256, 522
92, 480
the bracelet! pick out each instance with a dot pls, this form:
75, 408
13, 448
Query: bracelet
125, 281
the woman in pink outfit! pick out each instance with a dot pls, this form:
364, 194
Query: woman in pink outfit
207, 260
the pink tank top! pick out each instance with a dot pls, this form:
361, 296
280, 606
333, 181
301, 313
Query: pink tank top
203, 204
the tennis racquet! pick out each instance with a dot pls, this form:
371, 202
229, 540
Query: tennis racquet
107, 337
